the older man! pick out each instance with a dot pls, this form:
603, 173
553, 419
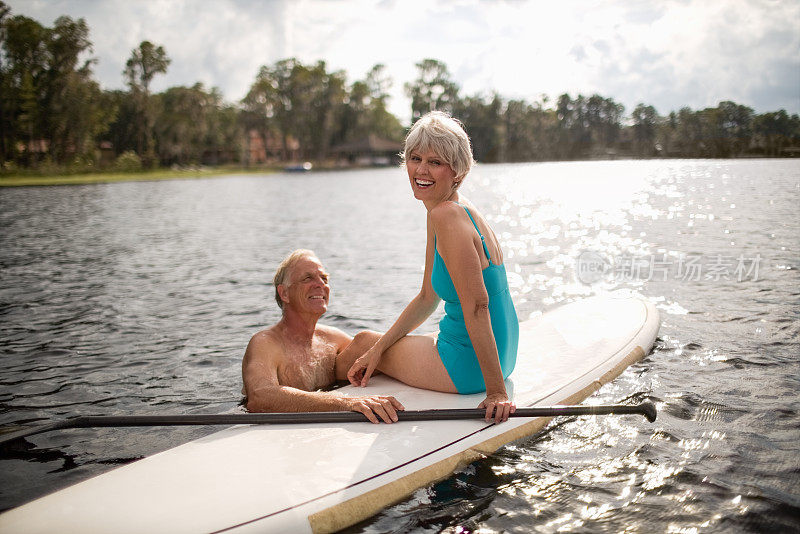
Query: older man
286, 364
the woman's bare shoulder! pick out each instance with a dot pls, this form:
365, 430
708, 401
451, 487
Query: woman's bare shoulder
446, 214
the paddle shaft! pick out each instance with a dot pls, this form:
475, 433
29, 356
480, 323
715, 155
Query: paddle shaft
646, 409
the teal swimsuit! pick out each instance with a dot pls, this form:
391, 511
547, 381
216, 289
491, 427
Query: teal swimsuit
455, 348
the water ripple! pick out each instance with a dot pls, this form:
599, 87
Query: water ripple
140, 298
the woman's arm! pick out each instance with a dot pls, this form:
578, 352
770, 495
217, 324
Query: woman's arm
414, 314
461, 257
420, 307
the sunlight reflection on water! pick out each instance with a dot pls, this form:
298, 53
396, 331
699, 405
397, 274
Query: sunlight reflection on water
684, 474
133, 297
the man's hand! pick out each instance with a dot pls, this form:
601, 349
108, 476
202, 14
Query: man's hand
384, 406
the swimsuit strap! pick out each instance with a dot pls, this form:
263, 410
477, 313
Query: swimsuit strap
485, 248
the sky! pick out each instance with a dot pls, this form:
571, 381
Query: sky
665, 53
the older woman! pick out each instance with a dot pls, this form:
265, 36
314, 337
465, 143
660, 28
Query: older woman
476, 347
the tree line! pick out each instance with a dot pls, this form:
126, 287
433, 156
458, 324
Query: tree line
53, 113
515, 130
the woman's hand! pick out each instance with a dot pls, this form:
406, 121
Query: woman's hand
497, 405
363, 367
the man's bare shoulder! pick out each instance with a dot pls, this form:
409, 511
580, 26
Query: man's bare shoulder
265, 344
329, 330
333, 334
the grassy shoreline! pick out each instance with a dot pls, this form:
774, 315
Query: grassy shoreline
111, 177
19, 180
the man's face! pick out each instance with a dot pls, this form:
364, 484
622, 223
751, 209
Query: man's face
308, 289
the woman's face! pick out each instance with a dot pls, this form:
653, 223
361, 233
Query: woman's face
431, 178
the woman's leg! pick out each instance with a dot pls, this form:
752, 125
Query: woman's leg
413, 360
361, 343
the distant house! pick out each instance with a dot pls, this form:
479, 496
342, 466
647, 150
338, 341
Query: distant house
107, 154
271, 149
34, 146
368, 151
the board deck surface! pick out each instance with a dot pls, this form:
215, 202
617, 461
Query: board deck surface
318, 478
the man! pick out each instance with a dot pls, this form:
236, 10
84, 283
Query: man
285, 365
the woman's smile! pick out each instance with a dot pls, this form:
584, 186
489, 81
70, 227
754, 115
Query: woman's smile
431, 177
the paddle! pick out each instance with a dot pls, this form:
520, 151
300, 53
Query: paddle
646, 409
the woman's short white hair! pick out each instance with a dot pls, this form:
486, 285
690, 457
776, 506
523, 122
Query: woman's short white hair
443, 135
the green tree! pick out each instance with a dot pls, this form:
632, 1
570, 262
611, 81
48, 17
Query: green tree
587, 126
574, 136
364, 112
122, 131
602, 118
6, 88
482, 118
690, 136
379, 120
24, 67
316, 94
225, 142
146, 61
68, 88
519, 133
666, 135
28, 116
531, 132
433, 89
298, 102
775, 131
85, 113
733, 129
645, 124
261, 106
182, 127
196, 127
51, 106
353, 115
269, 105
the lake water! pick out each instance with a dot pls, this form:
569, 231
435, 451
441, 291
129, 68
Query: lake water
140, 297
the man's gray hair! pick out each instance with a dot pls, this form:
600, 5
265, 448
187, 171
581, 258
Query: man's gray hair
285, 268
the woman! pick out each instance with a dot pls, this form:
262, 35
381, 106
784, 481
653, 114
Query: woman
476, 347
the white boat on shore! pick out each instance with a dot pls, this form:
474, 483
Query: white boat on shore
299, 167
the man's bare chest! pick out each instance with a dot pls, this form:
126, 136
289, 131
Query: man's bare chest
308, 368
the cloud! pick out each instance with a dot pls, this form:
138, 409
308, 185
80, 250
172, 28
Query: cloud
670, 54
221, 43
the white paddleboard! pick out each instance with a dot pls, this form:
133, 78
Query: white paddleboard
318, 478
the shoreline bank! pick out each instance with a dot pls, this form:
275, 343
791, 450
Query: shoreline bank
145, 176
22, 180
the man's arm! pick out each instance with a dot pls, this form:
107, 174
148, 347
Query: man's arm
265, 393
